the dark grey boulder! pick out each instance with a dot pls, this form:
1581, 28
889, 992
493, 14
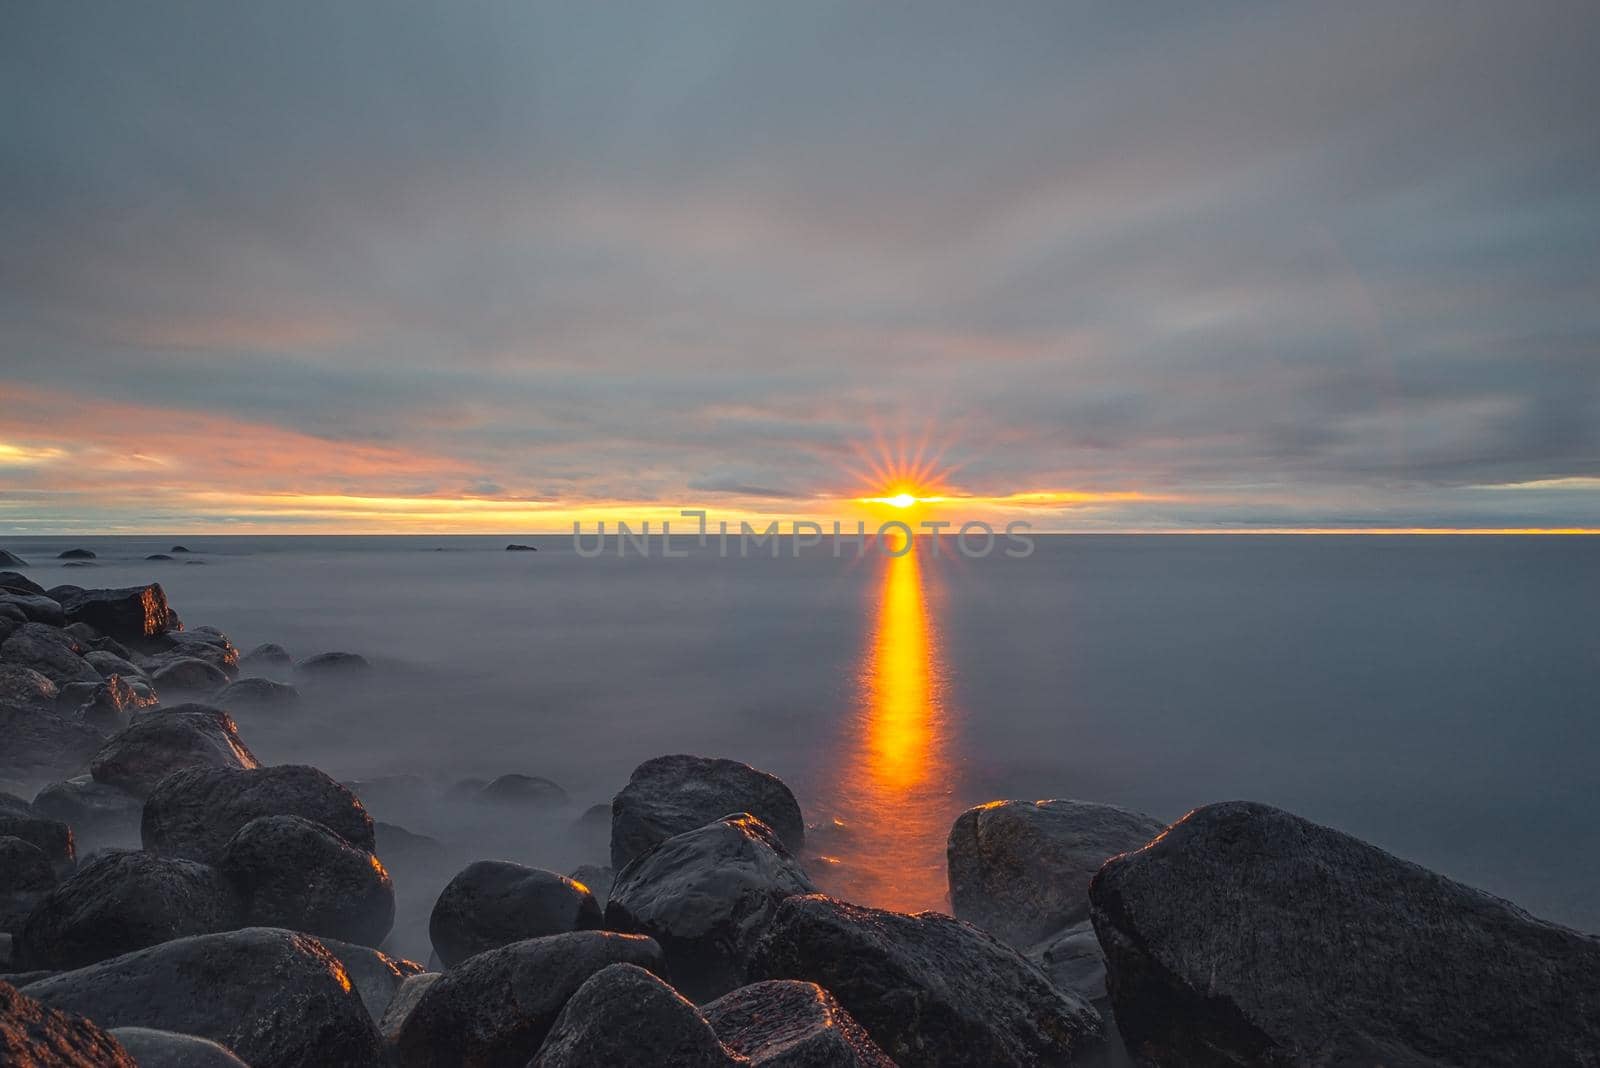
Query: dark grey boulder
1073, 960
1021, 869
493, 903
405, 999
43, 744
496, 1008
76, 554
132, 614
185, 674
377, 975
266, 655
91, 808
403, 790
591, 831
275, 998
35, 608
405, 851
706, 896
597, 879
109, 663
929, 989
51, 837
194, 812
158, 556
673, 794
257, 695
624, 1017
333, 666
1248, 935
11, 559
168, 1049
109, 705
122, 901
180, 549
523, 790
80, 563
201, 643
49, 651
36, 1036
27, 686
166, 740
789, 1024
26, 876
292, 872
516, 547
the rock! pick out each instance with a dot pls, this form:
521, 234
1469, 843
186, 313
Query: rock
51, 837
165, 740
158, 556
400, 849
201, 643
80, 563
292, 872
41, 744
493, 903
591, 831
266, 655
194, 812
1021, 869
706, 896
333, 665
15, 582
404, 1001
525, 790
179, 549
132, 614
120, 902
673, 794
275, 998
788, 1024
26, 876
515, 548
91, 807
50, 652
108, 705
11, 559
35, 608
26, 686
496, 1008
928, 988
377, 976
1072, 960
109, 663
1245, 934
35, 1036
168, 1049
186, 674
393, 791
76, 554
258, 695
624, 1017
597, 879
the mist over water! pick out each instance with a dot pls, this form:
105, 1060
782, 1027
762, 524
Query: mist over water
1434, 695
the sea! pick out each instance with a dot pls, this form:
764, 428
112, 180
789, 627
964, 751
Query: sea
1438, 696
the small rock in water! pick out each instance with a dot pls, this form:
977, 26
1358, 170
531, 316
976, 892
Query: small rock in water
530, 790
333, 665
404, 851
515, 548
673, 794
35, 1036
178, 549
291, 872
76, 554
11, 559
266, 655
80, 563
168, 1049
624, 1017
783, 1023
256, 695
189, 675
493, 903
158, 556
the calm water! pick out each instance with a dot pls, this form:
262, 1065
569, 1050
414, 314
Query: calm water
1437, 696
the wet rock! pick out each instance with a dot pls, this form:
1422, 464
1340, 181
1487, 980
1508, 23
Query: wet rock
1248, 935
186, 674
266, 656
275, 998
35, 1036
1021, 869
673, 794
91, 808
26, 875
50, 652
35, 608
194, 812
493, 903
597, 878
128, 615
122, 901
790, 1024
706, 896
51, 837
624, 1017
168, 1049
333, 666
404, 1001
258, 695
75, 554
165, 740
27, 686
928, 988
109, 663
377, 976
292, 872
11, 559
497, 1007
524, 790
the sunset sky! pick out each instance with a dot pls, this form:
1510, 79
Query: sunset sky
493, 267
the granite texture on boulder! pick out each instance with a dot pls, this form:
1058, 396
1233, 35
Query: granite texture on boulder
295, 873
194, 812
790, 1024
165, 740
624, 1017
673, 794
36, 1036
492, 903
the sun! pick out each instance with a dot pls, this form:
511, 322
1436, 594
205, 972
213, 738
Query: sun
900, 500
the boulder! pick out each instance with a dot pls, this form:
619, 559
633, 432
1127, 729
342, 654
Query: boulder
929, 989
168, 1049
258, 695
404, 1001
516, 547
51, 837
673, 794
624, 1017
496, 1008
1245, 934
179, 549
41, 744
597, 879
122, 901
194, 812
333, 666
591, 831
27, 687
185, 674
80, 563
50, 652
385, 792
35, 1036
91, 808
201, 643
76, 554
1071, 958
158, 556
267, 655
493, 903
377, 975
402, 850
26, 876
109, 704
706, 896
1021, 869
523, 790
789, 1024
35, 608
165, 740
109, 663
131, 614
11, 559
275, 998
292, 872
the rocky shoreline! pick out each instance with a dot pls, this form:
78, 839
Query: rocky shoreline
168, 898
